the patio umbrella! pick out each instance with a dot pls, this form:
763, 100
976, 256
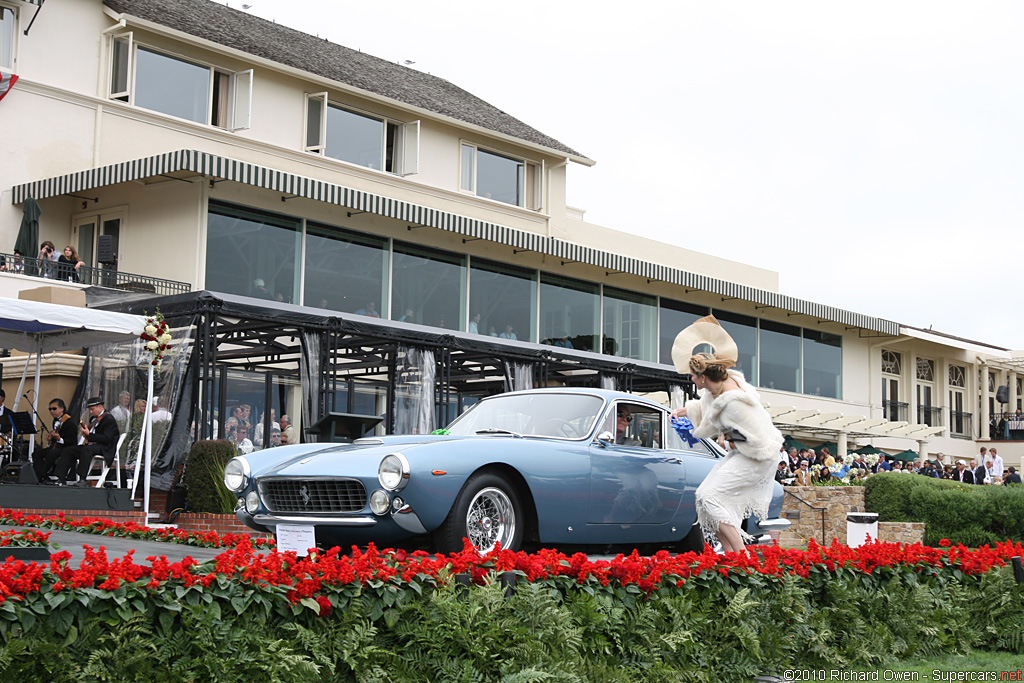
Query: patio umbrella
793, 443
27, 243
906, 456
867, 450
832, 447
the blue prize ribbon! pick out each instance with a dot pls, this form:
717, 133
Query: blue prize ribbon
683, 428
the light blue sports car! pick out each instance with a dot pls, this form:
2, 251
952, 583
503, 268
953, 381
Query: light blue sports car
583, 468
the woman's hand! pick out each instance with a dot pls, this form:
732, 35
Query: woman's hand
679, 412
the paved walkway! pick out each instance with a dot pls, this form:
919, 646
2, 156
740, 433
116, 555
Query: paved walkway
74, 543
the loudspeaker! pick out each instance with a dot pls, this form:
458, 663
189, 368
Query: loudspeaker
1003, 394
21, 472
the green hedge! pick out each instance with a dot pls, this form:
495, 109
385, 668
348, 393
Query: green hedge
715, 628
204, 477
963, 513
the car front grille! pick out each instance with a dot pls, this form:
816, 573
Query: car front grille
313, 495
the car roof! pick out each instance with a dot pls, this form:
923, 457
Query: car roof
606, 394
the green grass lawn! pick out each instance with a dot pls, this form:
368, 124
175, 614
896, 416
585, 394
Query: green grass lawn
977, 661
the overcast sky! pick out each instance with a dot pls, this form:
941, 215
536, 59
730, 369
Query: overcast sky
869, 152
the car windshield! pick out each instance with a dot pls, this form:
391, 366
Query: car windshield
555, 415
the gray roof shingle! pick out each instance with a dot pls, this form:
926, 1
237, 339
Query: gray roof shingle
234, 29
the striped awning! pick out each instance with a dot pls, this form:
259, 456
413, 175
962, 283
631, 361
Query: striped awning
223, 168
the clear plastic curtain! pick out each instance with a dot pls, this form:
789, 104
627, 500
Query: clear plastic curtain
118, 373
309, 370
676, 396
522, 376
608, 382
415, 371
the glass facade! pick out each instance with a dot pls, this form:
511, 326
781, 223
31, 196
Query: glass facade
345, 271
259, 253
630, 325
675, 316
743, 330
780, 357
429, 286
823, 364
250, 252
505, 298
172, 86
569, 313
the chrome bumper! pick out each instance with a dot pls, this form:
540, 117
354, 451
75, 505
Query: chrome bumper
274, 520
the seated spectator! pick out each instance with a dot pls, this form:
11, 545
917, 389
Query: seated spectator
68, 264
407, 317
275, 438
370, 309
287, 430
826, 457
883, 464
783, 475
803, 474
1012, 476
259, 289
474, 324
242, 443
16, 264
509, 332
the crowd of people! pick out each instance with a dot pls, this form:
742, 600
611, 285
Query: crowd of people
247, 437
805, 467
49, 263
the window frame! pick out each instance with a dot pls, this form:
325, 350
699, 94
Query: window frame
238, 113
15, 32
406, 148
531, 194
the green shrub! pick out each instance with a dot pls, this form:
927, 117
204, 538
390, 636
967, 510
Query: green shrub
963, 513
204, 477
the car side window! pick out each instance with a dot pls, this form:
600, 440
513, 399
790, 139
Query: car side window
676, 443
634, 425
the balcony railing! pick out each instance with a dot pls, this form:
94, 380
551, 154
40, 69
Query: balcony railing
960, 424
895, 411
1006, 426
98, 277
927, 415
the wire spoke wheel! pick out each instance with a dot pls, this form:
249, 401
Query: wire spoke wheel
490, 519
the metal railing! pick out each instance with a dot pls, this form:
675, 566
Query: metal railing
960, 424
820, 510
928, 415
895, 411
97, 277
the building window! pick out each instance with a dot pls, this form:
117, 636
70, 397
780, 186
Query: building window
743, 330
569, 313
344, 271
430, 283
779, 357
252, 253
360, 138
673, 318
925, 370
892, 363
957, 376
892, 408
8, 34
505, 298
630, 324
500, 177
823, 364
179, 87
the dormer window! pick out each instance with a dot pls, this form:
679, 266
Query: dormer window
360, 138
175, 86
500, 177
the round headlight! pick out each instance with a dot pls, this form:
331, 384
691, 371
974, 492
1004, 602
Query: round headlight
379, 502
236, 474
393, 472
252, 502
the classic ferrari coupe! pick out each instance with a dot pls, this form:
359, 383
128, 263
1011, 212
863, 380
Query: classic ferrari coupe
559, 468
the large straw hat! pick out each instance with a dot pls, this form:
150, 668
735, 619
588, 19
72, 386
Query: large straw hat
708, 331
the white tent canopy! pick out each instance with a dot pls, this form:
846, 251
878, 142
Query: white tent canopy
36, 327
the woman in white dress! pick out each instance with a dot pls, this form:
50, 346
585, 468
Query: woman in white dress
741, 483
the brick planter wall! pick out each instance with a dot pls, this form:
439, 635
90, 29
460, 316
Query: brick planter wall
119, 516
837, 501
222, 524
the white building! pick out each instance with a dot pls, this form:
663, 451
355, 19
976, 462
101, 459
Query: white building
180, 145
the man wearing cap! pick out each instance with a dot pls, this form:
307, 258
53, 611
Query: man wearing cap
962, 474
101, 435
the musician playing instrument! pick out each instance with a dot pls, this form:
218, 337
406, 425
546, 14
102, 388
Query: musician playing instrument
101, 435
63, 435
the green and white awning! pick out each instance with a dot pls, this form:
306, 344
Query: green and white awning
223, 168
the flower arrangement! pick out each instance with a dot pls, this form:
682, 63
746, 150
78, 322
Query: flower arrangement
156, 338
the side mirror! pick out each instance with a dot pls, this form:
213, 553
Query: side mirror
605, 438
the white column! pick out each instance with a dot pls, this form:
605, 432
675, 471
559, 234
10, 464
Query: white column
841, 444
1011, 379
983, 414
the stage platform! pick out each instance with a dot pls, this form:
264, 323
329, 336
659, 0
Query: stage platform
35, 496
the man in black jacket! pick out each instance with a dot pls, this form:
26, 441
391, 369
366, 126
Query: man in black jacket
962, 474
63, 435
101, 435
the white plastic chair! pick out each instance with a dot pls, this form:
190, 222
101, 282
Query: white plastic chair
106, 468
